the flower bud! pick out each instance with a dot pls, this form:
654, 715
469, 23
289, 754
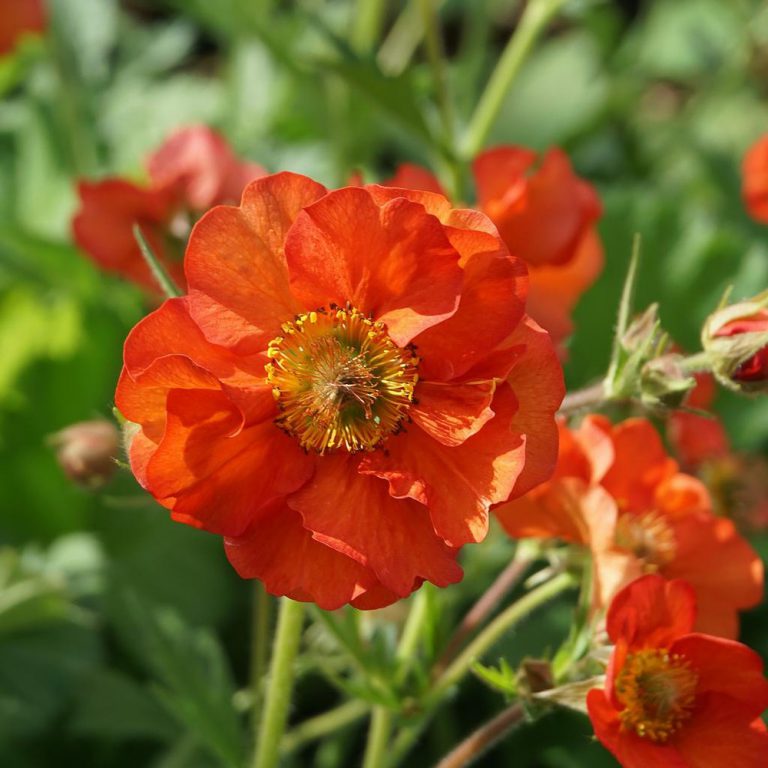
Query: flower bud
664, 382
736, 340
86, 451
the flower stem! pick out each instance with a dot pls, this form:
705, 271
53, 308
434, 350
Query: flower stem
486, 604
367, 25
483, 738
281, 673
163, 279
434, 47
378, 738
496, 629
329, 722
535, 18
590, 397
259, 647
515, 613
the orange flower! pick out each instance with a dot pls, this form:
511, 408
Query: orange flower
754, 186
348, 387
192, 171
616, 491
546, 215
17, 18
672, 698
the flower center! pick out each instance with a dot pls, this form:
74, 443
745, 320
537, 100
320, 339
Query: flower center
648, 536
340, 382
658, 691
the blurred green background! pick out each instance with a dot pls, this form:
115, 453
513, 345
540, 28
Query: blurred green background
123, 637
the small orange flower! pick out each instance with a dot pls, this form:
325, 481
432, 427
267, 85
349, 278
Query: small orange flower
347, 388
616, 491
546, 215
18, 18
673, 698
192, 171
754, 189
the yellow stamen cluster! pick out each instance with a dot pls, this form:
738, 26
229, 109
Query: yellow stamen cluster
658, 692
339, 381
648, 536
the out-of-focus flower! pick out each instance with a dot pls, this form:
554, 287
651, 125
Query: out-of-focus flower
19, 18
736, 340
546, 215
616, 491
754, 184
697, 438
191, 172
673, 698
349, 386
86, 451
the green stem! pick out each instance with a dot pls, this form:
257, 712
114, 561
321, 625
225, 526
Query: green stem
259, 648
515, 613
701, 361
498, 627
434, 47
378, 738
164, 280
535, 18
367, 25
329, 722
376, 750
281, 673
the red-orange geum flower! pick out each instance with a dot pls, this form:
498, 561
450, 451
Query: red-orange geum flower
545, 214
674, 698
191, 172
616, 491
347, 388
18, 18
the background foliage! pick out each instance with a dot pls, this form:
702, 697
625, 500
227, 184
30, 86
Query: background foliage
105, 606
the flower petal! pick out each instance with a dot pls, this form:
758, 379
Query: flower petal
280, 551
393, 261
215, 474
452, 413
460, 483
235, 264
355, 514
652, 611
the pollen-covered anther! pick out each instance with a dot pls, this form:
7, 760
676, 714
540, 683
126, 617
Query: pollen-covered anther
658, 692
339, 381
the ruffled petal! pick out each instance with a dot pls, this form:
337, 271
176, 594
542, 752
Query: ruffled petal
280, 551
458, 484
411, 176
235, 263
452, 413
537, 381
215, 474
652, 611
355, 514
393, 261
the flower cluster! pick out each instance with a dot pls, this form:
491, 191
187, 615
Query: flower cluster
618, 493
348, 387
192, 171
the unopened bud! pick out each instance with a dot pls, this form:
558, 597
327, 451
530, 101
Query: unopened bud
664, 382
736, 340
86, 451
644, 332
